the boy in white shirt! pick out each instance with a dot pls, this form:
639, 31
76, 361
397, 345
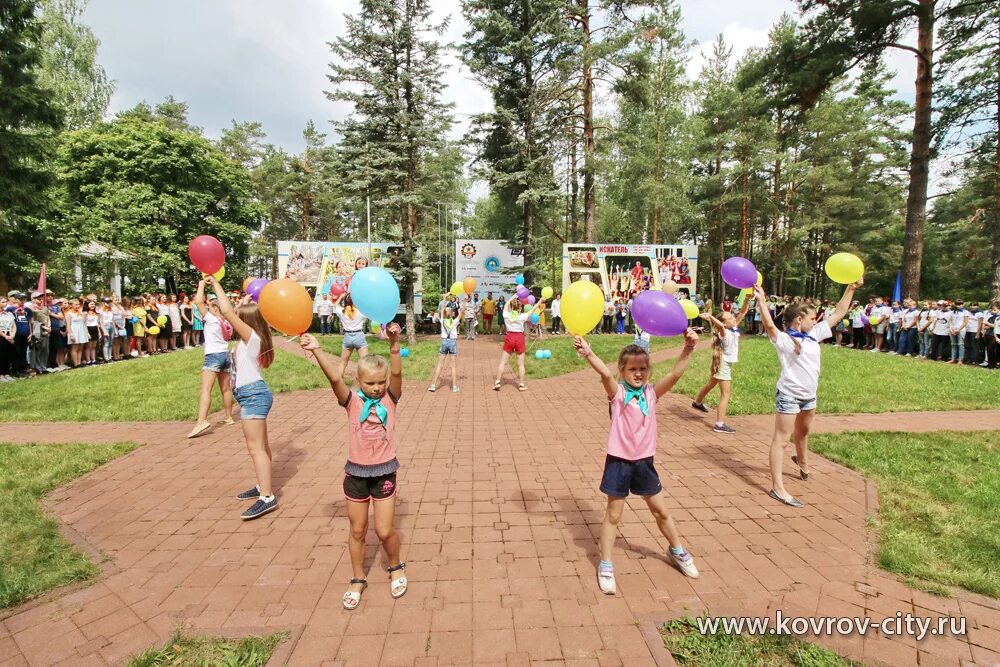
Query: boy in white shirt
959, 320
940, 327
973, 331
325, 311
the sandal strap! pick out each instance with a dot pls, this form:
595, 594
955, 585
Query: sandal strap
359, 581
396, 568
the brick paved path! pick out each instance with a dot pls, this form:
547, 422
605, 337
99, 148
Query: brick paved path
498, 510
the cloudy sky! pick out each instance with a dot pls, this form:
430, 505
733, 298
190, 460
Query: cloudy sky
266, 60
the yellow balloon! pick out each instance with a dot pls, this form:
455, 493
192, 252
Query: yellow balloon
458, 288
670, 287
153, 330
844, 268
874, 320
376, 327
547, 293
760, 280
218, 275
162, 320
690, 308
582, 307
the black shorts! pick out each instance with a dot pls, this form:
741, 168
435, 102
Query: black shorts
361, 489
94, 334
622, 476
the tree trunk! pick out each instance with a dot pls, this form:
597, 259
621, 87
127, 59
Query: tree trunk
916, 199
529, 229
658, 171
745, 211
574, 189
589, 194
996, 194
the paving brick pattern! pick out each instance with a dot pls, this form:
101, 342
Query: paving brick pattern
499, 511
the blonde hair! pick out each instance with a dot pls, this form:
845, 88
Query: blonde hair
251, 316
374, 363
627, 352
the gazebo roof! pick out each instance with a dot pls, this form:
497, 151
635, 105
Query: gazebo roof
98, 249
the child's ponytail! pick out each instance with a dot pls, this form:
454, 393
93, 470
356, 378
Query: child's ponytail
716, 353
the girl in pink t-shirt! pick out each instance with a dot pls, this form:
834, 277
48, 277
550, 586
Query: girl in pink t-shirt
632, 439
370, 473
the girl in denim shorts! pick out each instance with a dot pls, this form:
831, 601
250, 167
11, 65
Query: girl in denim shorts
628, 466
352, 323
725, 353
216, 365
253, 352
449, 348
795, 397
370, 471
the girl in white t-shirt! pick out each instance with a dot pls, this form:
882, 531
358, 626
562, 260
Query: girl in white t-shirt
798, 347
725, 353
253, 352
449, 348
352, 324
215, 368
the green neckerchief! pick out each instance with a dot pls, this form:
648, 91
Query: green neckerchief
380, 410
638, 394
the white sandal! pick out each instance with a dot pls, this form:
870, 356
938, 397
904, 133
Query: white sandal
397, 587
353, 598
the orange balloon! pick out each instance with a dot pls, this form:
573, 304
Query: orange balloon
470, 285
287, 306
246, 283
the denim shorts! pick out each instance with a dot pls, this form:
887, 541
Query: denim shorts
725, 371
355, 340
622, 476
640, 342
449, 346
789, 405
216, 362
255, 400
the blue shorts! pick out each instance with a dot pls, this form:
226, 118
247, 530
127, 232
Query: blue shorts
622, 476
449, 346
789, 405
255, 400
216, 362
355, 340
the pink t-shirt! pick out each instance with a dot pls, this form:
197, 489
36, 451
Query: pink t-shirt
632, 435
370, 442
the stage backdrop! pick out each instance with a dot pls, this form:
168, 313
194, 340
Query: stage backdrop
320, 264
624, 270
484, 259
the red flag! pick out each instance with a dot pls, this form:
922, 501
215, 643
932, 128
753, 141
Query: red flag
41, 283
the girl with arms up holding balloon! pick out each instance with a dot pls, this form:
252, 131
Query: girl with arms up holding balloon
371, 460
253, 352
725, 353
216, 365
449, 347
352, 323
628, 466
798, 345
514, 319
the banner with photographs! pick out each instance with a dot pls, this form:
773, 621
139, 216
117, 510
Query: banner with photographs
492, 263
622, 271
317, 265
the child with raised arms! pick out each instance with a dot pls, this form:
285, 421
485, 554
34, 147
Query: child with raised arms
449, 348
798, 346
725, 353
370, 472
632, 440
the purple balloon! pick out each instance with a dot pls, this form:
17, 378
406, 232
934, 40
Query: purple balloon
254, 288
658, 313
522, 292
739, 272
531, 299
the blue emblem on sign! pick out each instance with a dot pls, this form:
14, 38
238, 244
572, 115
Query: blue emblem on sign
492, 264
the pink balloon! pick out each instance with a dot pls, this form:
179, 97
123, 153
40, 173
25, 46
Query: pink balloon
658, 313
207, 254
739, 272
336, 290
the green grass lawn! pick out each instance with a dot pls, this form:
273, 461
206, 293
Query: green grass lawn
159, 388
34, 555
183, 651
939, 502
690, 648
424, 357
851, 381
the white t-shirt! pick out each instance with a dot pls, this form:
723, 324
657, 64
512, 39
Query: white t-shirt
555, 308
942, 326
910, 316
246, 361
609, 308
856, 321
731, 346
800, 372
214, 342
449, 332
324, 308
996, 326
514, 321
974, 320
350, 324
925, 315
895, 315
469, 309
174, 313
959, 320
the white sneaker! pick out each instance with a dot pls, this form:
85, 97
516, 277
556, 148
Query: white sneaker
606, 580
454, 390
432, 388
685, 562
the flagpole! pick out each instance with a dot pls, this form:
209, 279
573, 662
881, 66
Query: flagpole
368, 216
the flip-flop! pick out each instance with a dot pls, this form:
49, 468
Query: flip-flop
791, 502
802, 473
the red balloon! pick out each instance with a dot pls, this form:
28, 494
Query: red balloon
207, 254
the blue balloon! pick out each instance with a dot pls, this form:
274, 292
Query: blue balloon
375, 293
133, 319
548, 354
404, 352
539, 354
519, 279
534, 318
